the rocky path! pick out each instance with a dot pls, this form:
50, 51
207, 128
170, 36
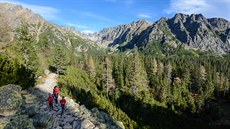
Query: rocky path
49, 82
75, 116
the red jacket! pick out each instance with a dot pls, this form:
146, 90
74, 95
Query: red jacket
50, 99
63, 101
56, 90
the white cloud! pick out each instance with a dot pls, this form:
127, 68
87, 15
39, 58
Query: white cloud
47, 12
78, 26
210, 8
187, 6
87, 31
142, 15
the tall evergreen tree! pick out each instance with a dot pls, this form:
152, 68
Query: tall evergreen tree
138, 80
60, 59
110, 83
27, 47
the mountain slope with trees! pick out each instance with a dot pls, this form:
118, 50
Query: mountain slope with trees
157, 82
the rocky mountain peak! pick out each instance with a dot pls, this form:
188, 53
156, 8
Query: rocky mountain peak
9, 6
16, 13
180, 17
219, 24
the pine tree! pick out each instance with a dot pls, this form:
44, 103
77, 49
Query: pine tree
110, 83
27, 47
91, 67
60, 60
138, 80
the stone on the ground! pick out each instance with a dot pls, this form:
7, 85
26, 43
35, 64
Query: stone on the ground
29, 98
86, 124
58, 127
67, 126
107, 117
95, 109
46, 72
96, 127
3, 122
69, 119
120, 124
102, 126
11, 100
76, 124
32, 110
43, 121
20, 122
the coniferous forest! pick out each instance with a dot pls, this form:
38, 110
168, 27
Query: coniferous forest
182, 89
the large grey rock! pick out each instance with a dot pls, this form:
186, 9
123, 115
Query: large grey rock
86, 124
11, 99
32, 110
43, 121
20, 122
107, 117
67, 126
76, 124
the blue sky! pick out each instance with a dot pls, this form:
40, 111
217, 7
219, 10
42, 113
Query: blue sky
94, 15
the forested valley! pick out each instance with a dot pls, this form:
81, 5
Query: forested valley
180, 89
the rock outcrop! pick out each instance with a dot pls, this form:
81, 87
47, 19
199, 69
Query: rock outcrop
10, 99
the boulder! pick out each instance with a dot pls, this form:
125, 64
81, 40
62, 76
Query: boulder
3, 122
67, 126
43, 121
29, 98
107, 117
102, 126
69, 119
120, 124
11, 100
20, 122
32, 110
95, 109
76, 124
86, 124
97, 114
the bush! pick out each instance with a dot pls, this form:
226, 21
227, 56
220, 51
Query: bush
12, 72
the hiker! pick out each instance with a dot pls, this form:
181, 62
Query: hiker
63, 102
50, 100
56, 92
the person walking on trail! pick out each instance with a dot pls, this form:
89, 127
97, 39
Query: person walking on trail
63, 102
50, 100
56, 92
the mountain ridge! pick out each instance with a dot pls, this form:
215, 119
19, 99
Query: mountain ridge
193, 31
181, 31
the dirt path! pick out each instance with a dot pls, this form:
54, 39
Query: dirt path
49, 82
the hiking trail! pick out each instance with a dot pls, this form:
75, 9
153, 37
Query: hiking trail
75, 116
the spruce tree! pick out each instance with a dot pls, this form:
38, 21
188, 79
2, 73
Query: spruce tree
27, 47
60, 59
109, 81
138, 80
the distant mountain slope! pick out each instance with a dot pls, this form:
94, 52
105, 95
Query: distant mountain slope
14, 15
187, 31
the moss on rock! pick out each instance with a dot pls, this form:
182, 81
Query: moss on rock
20, 122
11, 100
